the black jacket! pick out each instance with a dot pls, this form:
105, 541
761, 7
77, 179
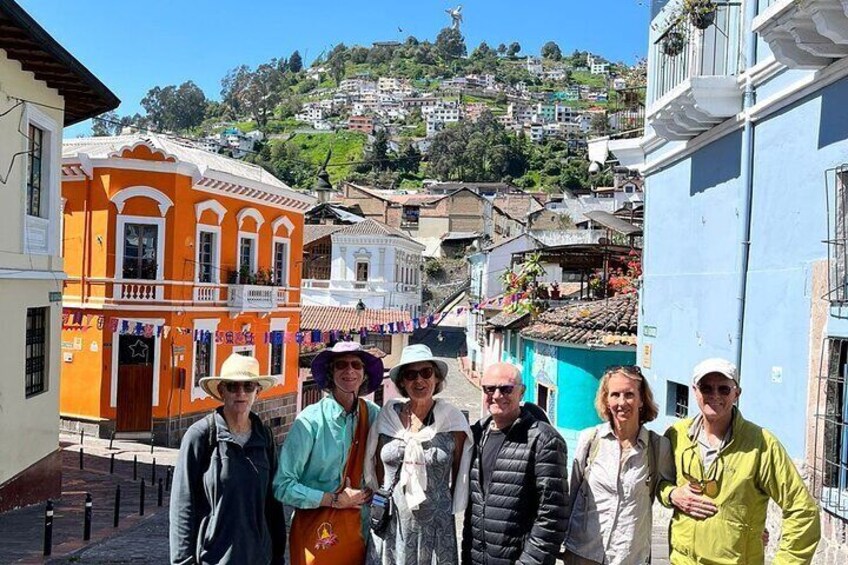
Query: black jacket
223, 508
523, 517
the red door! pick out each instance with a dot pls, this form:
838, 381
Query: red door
135, 384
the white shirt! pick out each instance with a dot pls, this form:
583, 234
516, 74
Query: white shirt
611, 513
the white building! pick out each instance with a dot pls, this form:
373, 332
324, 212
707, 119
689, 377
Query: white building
534, 66
369, 261
43, 88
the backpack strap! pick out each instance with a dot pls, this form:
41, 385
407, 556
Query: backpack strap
592, 449
212, 440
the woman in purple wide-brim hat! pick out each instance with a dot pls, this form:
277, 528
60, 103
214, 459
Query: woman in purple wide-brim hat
321, 463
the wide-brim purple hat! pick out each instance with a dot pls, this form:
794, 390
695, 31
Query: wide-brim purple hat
323, 374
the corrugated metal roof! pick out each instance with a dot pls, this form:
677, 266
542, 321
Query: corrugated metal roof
613, 222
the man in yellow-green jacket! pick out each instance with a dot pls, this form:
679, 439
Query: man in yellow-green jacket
727, 470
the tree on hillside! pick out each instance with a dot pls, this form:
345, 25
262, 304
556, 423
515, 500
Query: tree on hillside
409, 160
295, 62
175, 108
256, 92
514, 49
551, 50
450, 44
379, 154
502, 49
105, 124
481, 151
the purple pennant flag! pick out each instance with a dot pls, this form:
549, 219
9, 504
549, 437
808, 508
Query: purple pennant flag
316, 336
415, 323
298, 337
363, 333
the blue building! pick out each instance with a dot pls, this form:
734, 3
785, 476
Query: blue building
745, 254
566, 351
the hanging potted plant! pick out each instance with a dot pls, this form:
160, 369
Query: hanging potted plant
674, 42
702, 13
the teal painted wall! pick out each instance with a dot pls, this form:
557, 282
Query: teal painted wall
571, 374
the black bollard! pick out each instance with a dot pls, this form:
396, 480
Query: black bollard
159, 498
86, 526
82, 436
112, 464
153, 473
135, 467
81, 462
48, 528
141, 499
168, 479
151, 444
117, 516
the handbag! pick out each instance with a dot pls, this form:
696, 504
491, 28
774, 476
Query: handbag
382, 506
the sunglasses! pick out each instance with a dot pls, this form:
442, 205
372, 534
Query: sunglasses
425, 373
723, 390
505, 389
633, 369
235, 387
354, 364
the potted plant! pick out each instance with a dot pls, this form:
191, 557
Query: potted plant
554, 291
674, 42
701, 13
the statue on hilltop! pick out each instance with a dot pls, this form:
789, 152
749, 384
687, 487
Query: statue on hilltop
456, 16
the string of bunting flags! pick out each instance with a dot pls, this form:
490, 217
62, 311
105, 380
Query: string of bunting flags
73, 320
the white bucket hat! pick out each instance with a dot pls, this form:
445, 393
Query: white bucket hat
416, 354
237, 368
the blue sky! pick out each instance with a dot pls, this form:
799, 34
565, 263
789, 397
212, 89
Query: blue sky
171, 41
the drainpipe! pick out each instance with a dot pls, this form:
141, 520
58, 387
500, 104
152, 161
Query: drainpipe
747, 176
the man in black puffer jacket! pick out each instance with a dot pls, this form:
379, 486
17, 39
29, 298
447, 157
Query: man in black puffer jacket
519, 505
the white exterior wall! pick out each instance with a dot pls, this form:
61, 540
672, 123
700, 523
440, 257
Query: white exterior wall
383, 289
31, 424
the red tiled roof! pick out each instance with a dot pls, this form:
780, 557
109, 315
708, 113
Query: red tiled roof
329, 318
602, 322
372, 227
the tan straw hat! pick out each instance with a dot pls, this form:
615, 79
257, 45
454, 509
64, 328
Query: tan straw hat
237, 368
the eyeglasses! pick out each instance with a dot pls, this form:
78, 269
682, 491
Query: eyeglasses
723, 390
341, 365
505, 389
425, 373
234, 387
707, 485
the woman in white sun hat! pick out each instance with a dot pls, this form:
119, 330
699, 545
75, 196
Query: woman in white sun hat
222, 504
419, 452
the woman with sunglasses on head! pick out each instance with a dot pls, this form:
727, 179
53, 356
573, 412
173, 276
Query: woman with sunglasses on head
616, 474
222, 507
321, 464
419, 452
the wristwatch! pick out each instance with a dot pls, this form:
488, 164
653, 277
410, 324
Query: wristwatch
335, 500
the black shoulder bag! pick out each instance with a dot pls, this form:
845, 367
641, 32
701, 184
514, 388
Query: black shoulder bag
382, 506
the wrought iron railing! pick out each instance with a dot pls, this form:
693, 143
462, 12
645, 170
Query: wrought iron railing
715, 51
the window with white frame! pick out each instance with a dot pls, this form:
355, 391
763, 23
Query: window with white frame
208, 254
362, 271
41, 182
277, 350
37, 324
281, 261
247, 256
141, 251
204, 353
35, 167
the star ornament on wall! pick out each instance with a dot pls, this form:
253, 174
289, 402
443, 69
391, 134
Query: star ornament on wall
139, 349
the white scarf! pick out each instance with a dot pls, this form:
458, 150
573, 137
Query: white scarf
413, 476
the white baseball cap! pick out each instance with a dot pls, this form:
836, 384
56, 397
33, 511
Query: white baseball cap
715, 365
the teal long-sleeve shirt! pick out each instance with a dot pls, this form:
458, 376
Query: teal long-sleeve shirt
314, 454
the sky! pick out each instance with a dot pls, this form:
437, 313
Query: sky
133, 47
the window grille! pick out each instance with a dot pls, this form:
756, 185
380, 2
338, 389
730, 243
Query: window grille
837, 250
830, 461
202, 357
276, 358
677, 400
36, 351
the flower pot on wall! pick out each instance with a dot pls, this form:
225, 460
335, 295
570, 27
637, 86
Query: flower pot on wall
702, 13
673, 43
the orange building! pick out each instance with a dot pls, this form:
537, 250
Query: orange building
176, 258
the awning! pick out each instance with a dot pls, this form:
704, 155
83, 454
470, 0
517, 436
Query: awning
612, 222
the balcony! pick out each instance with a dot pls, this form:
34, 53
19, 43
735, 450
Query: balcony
694, 77
805, 35
361, 287
251, 298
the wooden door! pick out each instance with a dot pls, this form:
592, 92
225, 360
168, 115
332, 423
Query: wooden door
135, 384
135, 398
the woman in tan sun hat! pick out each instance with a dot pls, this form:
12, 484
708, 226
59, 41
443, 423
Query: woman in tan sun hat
222, 505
